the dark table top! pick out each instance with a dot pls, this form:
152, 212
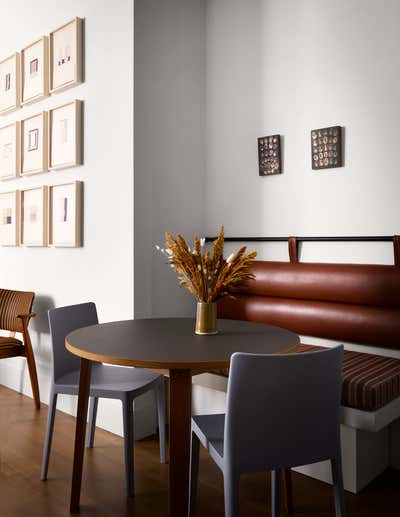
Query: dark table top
170, 343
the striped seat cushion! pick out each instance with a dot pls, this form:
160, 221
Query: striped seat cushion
369, 381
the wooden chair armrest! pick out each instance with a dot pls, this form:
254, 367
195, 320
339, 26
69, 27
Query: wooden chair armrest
26, 316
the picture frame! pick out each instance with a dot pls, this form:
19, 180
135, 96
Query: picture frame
10, 218
34, 216
65, 214
10, 151
326, 148
269, 155
65, 135
66, 56
10, 84
35, 71
34, 144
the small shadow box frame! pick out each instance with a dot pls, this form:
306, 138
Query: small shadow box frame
269, 155
65, 215
326, 148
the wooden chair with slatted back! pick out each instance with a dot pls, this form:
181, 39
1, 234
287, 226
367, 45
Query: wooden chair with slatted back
15, 314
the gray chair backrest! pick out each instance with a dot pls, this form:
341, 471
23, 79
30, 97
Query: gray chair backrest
283, 410
62, 321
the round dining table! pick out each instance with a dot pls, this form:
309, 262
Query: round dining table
170, 346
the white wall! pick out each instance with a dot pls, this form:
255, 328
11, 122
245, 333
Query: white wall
288, 67
169, 144
102, 270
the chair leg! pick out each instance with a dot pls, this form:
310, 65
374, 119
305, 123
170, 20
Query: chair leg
93, 402
194, 473
49, 434
231, 494
276, 489
127, 409
337, 477
160, 398
30, 359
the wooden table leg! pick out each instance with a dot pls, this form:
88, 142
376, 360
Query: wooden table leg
287, 491
83, 398
180, 413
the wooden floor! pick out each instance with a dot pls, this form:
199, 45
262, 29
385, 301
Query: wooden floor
23, 494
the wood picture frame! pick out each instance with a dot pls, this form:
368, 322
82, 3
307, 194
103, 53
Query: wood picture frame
35, 140
10, 84
34, 216
66, 51
35, 71
10, 151
10, 218
65, 214
65, 136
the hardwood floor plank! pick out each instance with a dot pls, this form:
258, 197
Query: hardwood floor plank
22, 494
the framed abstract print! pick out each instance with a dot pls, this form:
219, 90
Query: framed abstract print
66, 56
10, 87
34, 144
35, 71
65, 215
65, 129
34, 216
10, 151
9, 218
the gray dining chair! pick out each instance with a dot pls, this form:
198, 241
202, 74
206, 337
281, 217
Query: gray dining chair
107, 381
282, 411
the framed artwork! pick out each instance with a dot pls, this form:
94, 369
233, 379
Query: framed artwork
34, 144
10, 87
35, 71
34, 216
65, 129
9, 218
10, 151
269, 155
66, 56
65, 215
326, 148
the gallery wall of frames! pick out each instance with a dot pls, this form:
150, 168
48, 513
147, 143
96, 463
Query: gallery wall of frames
52, 140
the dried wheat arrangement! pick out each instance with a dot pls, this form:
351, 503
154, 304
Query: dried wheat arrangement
208, 276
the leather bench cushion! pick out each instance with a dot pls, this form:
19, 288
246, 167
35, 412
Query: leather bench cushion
369, 381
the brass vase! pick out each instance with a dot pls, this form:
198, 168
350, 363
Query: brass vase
206, 318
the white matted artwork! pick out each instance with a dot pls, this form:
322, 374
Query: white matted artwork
35, 71
65, 129
10, 151
34, 216
34, 144
9, 218
65, 215
66, 55
10, 87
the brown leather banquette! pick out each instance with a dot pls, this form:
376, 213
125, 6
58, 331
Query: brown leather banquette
354, 303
